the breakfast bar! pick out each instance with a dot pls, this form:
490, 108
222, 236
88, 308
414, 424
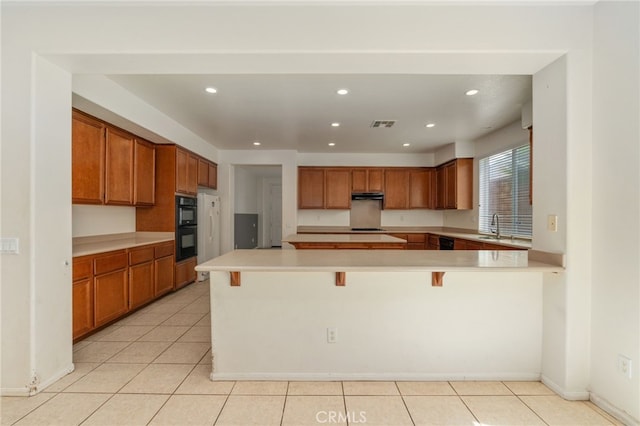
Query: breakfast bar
377, 315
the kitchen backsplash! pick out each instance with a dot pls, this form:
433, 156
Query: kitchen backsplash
100, 220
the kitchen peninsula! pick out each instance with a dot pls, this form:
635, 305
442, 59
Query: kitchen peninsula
363, 315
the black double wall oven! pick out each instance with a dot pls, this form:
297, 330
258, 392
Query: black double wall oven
186, 227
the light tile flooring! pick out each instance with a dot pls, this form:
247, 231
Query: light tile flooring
152, 368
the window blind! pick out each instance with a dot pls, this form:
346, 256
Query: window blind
504, 189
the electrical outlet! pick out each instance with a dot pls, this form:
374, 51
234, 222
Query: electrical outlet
552, 223
332, 335
624, 366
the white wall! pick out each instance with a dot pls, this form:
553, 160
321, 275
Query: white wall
391, 324
435, 39
100, 220
615, 301
246, 191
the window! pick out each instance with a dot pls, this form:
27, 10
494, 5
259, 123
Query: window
504, 189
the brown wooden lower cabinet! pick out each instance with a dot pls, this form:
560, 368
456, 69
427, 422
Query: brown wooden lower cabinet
141, 288
185, 272
82, 307
107, 286
349, 246
433, 242
163, 272
111, 296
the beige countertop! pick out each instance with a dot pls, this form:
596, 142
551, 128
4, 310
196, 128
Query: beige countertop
467, 234
83, 246
380, 260
342, 238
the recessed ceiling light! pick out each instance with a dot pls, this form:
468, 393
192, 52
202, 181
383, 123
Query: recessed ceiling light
342, 91
335, 124
211, 90
472, 92
406, 144
332, 144
430, 125
256, 143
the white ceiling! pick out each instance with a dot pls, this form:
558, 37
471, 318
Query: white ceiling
294, 111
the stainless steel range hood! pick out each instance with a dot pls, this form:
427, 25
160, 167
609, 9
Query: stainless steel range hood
376, 196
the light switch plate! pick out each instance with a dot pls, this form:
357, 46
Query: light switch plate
552, 223
9, 245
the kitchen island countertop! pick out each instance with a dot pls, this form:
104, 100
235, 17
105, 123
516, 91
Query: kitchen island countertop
383, 260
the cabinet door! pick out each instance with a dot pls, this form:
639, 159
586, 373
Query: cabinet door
441, 187
163, 275
119, 167
310, 188
213, 176
337, 189
87, 160
359, 180
144, 173
420, 189
375, 180
203, 172
141, 288
396, 189
192, 175
185, 272
110, 293
82, 307
433, 189
450, 201
182, 178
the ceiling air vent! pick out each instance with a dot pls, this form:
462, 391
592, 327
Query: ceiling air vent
383, 123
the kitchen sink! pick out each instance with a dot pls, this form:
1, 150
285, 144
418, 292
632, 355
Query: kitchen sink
489, 237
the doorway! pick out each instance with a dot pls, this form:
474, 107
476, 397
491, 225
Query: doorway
257, 206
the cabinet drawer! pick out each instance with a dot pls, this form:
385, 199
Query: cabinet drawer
140, 255
110, 262
82, 268
163, 250
415, 238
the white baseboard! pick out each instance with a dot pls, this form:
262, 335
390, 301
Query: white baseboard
571, 396
376, 377
614, 411
14, 391
42, 386
30, 391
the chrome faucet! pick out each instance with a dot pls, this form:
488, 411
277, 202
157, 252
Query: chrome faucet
495, 221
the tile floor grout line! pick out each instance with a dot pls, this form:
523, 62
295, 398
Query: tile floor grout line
284, 406
405, 404
224, 404
532, 410
344, 400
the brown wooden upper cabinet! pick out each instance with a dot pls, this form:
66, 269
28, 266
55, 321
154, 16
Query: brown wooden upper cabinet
367, 180
186, 172
110, 165
396, 188
207, 174
337, 188
87, 159
455, 184
310, 188
119, 167
144, 173
420, 196
324, 188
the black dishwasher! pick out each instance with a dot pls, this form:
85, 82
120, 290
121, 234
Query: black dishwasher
446, 243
